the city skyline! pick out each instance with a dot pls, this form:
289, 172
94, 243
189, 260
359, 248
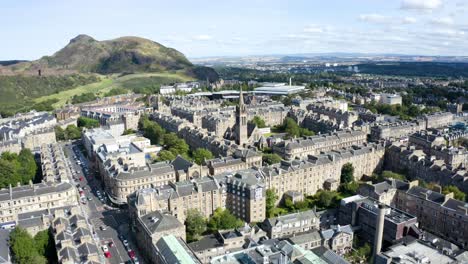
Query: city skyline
203, 29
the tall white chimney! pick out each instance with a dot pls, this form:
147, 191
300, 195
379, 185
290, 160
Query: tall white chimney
379, 228
290, 81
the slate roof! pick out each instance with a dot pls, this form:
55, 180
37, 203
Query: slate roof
329, 256
158, 222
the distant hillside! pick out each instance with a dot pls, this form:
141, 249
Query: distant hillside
122, 55
10, 62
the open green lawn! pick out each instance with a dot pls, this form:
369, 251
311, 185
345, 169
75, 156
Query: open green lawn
129, 82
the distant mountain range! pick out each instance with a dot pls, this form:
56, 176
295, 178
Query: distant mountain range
334, 57
83, 54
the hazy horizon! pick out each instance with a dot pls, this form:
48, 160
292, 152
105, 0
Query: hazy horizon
242, 28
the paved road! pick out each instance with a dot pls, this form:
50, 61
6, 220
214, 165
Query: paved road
99, 213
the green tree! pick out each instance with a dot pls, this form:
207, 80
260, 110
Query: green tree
201, 154
326, 199
72, 132
457, 193
59, 133
288, 203
87, 122
28, 167
8, 173
223, 219
195, 225
259, 122
271, 158
23, 248
291, 127
166, 155
350, 188
347, 173
270, 202
175, 144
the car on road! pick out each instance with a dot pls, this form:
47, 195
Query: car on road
108, 254
103, 228
131, 253
125, 243
135, 261
89, 198
105, 248
81, 178
111, 244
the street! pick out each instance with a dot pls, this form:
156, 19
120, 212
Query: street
108, 223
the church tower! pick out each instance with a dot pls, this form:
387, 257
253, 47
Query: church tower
241, 121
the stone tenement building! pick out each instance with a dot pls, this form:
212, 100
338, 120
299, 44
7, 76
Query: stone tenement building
418, 165
74, 241
219, 123
301, 148
437, 213
343, 119
29, 130
327, 102
291, 224
396, 130
150, 228
322, 171
359, 211
53, 192
240, 160
203, 194
129, 115
242, 193
318, 123
439, 119
426, 140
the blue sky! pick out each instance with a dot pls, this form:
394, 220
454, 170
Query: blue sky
198, 28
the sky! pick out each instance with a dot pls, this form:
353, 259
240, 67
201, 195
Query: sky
31, 29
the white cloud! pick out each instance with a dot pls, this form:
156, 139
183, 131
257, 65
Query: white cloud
203, 37
313, 29
409, 20
421, 4
374, 18
442, 21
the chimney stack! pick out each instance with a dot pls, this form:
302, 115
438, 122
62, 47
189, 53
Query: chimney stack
379, 230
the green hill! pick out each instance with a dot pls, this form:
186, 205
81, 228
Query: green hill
125, 54
87, 65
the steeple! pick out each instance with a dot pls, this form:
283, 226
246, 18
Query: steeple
241, 121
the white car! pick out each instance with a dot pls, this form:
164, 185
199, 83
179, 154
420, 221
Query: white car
104, 248
125, 242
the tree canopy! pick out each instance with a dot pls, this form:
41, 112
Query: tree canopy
223, 219
270, 202
457, 193
16, 169
87, 122
271, 158
291, 127
201, 154
71, 132
24, 248
258, 121
195, 225
347, 173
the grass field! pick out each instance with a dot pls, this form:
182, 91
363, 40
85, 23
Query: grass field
129, 82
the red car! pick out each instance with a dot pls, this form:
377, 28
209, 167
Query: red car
107, 254
131, 253
81, 178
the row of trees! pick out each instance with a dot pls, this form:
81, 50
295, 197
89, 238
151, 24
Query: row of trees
16, 168
196, 224
173, 145
87, 122
71, 132
292, 129
26, 249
